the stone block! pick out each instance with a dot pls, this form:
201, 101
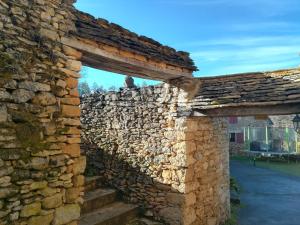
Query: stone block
5, 181
22, 95
34, 86
66, 214
72, 130
74, 140
70, 111
39, 163
6, 171
172, 215
38, 185
72, 150
31, 209
52, 35
78, 181
53, 201
70, 73
70, 101
3, 113
175, 198
45, 99
74, 65
79, 165
72, 194
41, 220
8, 192
72, 82
74, 92
48, 191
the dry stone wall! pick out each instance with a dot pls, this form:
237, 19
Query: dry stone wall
141, 135
40, 164
144, 144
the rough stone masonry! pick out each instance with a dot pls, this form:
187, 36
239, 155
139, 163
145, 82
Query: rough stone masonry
40, 164
144, 144
182, 160
41, 168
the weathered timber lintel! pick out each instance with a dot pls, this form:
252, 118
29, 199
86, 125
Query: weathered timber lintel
282, 109
101, 59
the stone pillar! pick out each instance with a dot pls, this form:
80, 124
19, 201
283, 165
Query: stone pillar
206, 184
41, 168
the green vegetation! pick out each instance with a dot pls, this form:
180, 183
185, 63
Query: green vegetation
291, 168
29, 132
233, 220
7, 66
235, 205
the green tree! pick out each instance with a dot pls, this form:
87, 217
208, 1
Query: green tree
144, 84
84, 88
112, 88
98, 88
95, 86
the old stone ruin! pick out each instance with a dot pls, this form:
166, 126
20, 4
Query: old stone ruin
139, 142
163, 150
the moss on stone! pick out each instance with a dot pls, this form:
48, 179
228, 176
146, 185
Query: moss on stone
29, 132
7, 66
63, 130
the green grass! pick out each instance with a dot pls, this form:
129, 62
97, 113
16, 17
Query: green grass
291, 168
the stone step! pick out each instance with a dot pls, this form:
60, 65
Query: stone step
92, 183
117, 213
98, 198
144, 221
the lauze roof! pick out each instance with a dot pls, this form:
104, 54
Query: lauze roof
111, 47
101, 31
275, 92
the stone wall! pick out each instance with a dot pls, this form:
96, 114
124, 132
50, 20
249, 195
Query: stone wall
148, 142
236, 148
40, 163
173, 166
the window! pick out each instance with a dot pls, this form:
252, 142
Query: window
232, 137
233, 120
240, 138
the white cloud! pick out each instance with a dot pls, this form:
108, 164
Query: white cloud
247, 54
247, 68
277, 25
245, 41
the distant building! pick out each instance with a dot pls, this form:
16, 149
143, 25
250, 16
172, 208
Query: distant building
263, 134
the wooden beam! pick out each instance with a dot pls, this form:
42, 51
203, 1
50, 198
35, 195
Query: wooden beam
282, 109
101, 59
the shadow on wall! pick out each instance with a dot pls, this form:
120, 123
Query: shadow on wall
134, 185
172, 165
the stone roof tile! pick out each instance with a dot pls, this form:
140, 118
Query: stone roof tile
101, 31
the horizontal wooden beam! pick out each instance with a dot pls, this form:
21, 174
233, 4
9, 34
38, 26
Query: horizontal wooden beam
282, 109
105, 60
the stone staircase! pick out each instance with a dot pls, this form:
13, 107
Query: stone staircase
102, 207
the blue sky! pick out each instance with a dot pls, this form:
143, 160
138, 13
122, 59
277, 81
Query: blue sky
223, 36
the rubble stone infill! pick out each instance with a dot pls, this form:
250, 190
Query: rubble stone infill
175, 167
